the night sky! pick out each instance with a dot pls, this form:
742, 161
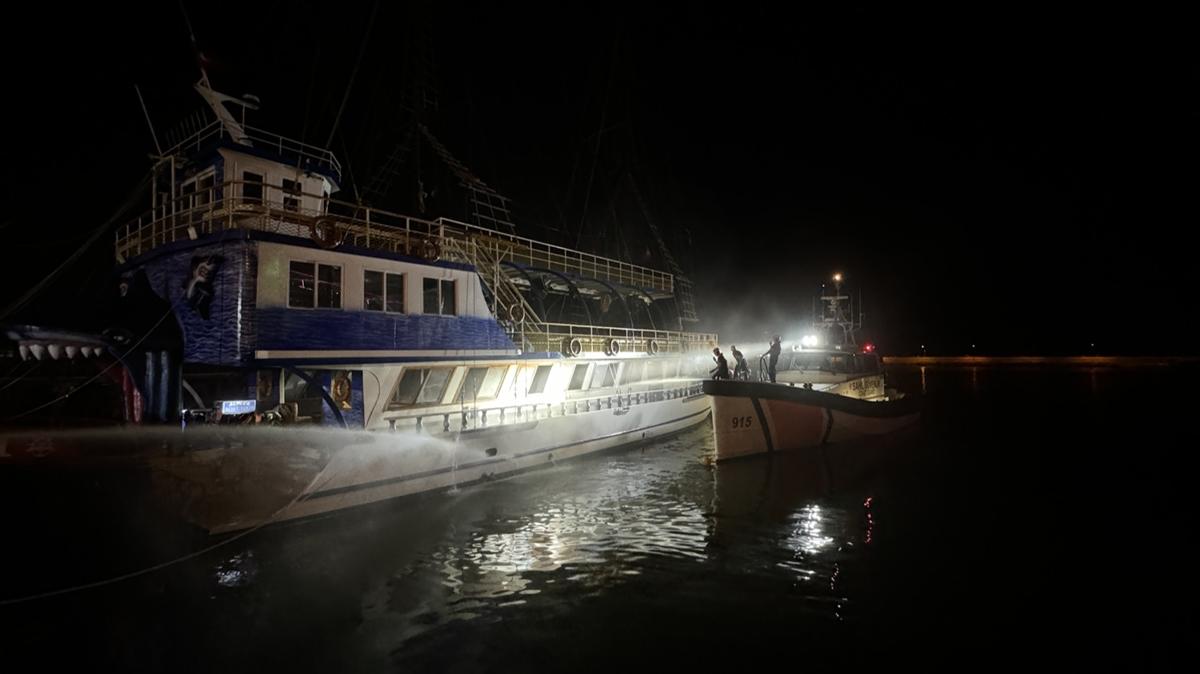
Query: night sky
1019, 180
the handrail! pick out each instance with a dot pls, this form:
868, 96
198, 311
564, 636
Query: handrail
477, 417
266, 139
226, 206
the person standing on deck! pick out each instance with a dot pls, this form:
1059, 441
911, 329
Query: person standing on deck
740, 369
772, 355
721, 371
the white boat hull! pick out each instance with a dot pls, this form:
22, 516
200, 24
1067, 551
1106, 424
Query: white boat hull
377, 466
760, 418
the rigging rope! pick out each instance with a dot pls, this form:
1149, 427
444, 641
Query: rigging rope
353, 74
95, 235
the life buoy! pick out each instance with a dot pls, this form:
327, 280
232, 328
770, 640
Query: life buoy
325, 233
652, 347
612, 347
572, 346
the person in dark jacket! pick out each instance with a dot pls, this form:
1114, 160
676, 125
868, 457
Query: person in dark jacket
721, 371
772, 355
740, 369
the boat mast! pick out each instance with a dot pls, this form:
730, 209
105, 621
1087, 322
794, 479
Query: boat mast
837, 314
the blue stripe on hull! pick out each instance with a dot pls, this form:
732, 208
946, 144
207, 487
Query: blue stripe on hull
299, 329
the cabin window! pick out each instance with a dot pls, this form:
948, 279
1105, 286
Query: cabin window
409, 386
420, 386
578, 376
291, 195
633, 372
809, 361
491, 383
653, 371
435, 386
471, 383
329, 286
438, 296
394, 301
301, 284
539, 379
383, 291
670, 369
252, 187
481, 383
606, 375
311, 284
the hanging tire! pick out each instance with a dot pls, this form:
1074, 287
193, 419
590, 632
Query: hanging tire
431, 251
572, 346
516, 313
652, 347
612, 347
325, 233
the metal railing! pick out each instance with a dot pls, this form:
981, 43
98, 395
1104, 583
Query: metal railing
227, 206
285, 147
598, 338
528, 252
501, 415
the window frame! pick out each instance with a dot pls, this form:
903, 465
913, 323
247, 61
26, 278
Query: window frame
316, 289
387, 275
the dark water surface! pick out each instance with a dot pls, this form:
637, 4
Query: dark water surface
1039, 518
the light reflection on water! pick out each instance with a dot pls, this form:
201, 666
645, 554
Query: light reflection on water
619, 524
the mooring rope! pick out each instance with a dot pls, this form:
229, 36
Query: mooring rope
312, 488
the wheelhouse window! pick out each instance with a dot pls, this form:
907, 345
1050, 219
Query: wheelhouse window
420, 386
291, 195
538, 385
383, 291
438, 296
314, 285
197, 195
252, 187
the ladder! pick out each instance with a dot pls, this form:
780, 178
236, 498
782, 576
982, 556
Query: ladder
509, 305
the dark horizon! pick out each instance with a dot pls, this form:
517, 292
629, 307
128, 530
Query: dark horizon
1012, 182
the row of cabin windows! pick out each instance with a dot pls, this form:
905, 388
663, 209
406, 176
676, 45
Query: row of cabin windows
197, 193
316, 285
840, 363
427, 386
605, 374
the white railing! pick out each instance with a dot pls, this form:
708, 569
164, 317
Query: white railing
597, 338
531, 253
227, 206
505, 414
285, 147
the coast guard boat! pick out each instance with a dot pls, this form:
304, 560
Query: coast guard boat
828, 389
470, 351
